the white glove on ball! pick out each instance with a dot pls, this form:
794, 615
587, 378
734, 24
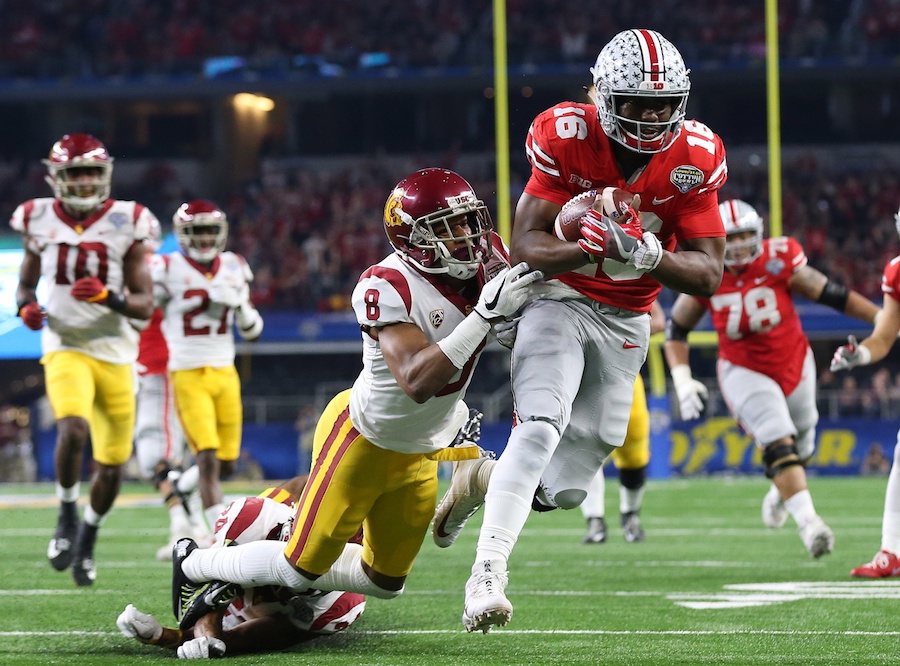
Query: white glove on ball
204, 647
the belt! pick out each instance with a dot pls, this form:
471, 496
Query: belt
606, 309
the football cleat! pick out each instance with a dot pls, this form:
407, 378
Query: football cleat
190, 600
59, 550
459, 503
631, 526
596, 530
885, 564
774, 512
817, 537
486, 604
84, 570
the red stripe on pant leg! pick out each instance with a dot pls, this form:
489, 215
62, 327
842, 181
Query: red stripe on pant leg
314, 493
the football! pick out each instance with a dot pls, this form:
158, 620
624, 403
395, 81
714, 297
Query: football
611, 201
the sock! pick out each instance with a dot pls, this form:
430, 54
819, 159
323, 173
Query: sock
594, 505
346, 573
179, 525
250, 565
800, 506
68, 494
630, 499
212, 514
504, 517
93, 518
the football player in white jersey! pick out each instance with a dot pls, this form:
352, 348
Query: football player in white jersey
89, 249
262, 618
425, 312
203, 292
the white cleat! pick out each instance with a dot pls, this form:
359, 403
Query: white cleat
774, 512
486, 604
818, 538
459, 503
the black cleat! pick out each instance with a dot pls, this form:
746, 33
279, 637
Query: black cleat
631, 527
190, 600
596, 530
59, 551
84, 571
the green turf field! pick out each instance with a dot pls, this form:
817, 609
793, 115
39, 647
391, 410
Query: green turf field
709, 586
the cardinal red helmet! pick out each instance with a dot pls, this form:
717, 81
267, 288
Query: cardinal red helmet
80, 171
435, 221
739, 217
201, 228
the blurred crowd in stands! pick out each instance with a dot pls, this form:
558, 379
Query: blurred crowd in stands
99, 38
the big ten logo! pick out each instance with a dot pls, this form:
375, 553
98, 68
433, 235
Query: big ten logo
719, 444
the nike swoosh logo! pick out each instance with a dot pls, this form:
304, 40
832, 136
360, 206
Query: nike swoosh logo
628, 345
760, 280
656, 201
440, 528
490, 305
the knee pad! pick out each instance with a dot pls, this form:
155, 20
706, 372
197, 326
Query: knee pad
632, 479
779, 457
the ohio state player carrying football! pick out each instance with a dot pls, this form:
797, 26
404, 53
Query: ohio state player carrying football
886, 563
89, 249
766, 368
579, 349
203, 292
425, 312
258, 619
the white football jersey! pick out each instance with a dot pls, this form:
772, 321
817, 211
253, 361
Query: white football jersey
198, 329
392, 292
255, 518
71, 249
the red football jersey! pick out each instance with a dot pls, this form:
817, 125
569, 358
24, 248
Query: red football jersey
570, 154
753, 312
153, 354
890, 281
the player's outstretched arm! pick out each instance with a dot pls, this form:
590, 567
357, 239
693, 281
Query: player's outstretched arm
877, 345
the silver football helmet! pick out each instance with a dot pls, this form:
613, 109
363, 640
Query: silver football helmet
640, 63
739, 217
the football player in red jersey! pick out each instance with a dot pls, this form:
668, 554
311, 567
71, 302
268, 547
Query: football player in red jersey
886, 562
581, 345
89, 249
258, 619
766, 368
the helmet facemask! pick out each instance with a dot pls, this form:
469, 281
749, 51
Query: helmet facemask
81, 184
641, 65
466, 227
740, 218
204, 238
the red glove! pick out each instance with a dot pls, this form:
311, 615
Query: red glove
90, 289
604, 238
32, 316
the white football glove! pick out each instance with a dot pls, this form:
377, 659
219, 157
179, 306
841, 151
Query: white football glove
205, 647
648, 254
230, 297
503, 295
691, 393
850, 355
141, 626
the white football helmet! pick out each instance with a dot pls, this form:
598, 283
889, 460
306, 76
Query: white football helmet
201, 228
739, 217
640, 63
897, 220
80, 172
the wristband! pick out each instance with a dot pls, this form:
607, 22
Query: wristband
865, 356
116, 302
681, 373
463, 341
